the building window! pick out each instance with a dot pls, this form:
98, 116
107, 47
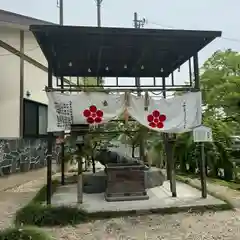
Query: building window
35, 119
42, 118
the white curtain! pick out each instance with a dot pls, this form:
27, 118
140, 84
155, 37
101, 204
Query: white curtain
84, 108
174, 115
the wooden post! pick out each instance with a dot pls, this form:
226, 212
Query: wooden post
62, 163
171, 142
49, 146
166, 140
62, 146
202, 160
21, 94
79, 131
79, 178
203, 172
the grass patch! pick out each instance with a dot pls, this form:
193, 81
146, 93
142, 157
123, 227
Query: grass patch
25, 233
189, 181
231, 184
44, 215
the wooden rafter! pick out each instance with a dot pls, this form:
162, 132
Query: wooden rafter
28, 59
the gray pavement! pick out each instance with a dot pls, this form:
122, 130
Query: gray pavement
159, 198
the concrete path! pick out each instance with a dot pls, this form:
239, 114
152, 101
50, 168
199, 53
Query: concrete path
17, 179
159, 198
16, 191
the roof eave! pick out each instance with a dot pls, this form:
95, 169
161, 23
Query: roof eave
14, 26
18, 21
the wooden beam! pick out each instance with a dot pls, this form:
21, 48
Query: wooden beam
28, 59
21, 83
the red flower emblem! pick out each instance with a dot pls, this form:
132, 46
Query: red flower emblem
93, 115
156, 119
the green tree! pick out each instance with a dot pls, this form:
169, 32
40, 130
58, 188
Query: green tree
220, 84
130, 134
92, 81
187, 153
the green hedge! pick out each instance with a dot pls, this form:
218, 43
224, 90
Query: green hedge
25, 233
40, 215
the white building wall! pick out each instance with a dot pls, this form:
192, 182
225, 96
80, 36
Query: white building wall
34, 80
9, 85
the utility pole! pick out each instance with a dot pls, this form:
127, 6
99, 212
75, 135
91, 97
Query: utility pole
138, 24
61, 12
99, 2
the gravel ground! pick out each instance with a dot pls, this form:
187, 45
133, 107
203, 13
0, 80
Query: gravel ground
183, 226
223, 225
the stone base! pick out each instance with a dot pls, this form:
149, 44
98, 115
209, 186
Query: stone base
125, 183
94, 182
97, 182
126, 197
154, 177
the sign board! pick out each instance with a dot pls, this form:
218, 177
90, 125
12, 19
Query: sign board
202, 134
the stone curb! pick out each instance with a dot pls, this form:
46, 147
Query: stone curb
169, 210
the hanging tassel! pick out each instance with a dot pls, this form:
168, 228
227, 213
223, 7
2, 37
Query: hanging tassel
126, 117
127, 99
146, 101
126, 114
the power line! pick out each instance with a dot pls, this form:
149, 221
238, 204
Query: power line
231, 39
172, 27
159, 24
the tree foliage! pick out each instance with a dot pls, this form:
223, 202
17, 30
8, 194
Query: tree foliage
220, 85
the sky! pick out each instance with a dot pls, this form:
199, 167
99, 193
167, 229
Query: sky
220, 15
